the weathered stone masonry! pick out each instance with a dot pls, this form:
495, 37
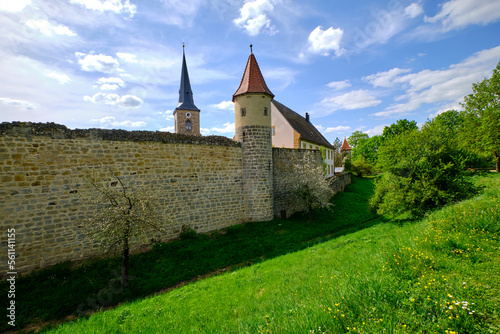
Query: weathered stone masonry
198, 181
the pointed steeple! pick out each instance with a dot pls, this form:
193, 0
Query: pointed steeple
252, 81
186, 101
345, 146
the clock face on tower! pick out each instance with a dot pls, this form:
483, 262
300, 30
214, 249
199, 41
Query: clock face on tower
188, 115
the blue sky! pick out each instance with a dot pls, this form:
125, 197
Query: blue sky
352, 65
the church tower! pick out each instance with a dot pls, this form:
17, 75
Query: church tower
186, 115
252, 108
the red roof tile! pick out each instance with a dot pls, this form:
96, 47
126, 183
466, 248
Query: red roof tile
345, 145
252, 81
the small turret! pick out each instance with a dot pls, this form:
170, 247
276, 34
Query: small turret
252, 108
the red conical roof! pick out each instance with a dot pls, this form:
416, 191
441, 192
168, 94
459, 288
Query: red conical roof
345, 146
252, 81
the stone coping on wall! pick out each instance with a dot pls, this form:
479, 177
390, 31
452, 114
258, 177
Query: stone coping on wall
59, 131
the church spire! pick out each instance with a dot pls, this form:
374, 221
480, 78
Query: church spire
186, 101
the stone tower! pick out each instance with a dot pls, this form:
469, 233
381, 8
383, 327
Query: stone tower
186, 115
345, 150
252, 108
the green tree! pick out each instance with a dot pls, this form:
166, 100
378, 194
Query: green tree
355, 137
482, 117
422, 171
121, 213
368, 148
401, 125
360, 167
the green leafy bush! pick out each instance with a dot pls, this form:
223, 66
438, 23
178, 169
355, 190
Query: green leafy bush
422, 171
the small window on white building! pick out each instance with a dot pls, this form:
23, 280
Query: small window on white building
188, 125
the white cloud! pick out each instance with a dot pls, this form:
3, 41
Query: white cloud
450, 106
204, 132
109, 87
228, 128
128, 101
117, 6
339, 85
385, 79
97, 63
253, 18
168, 129
21, 104
127, 57
447, 86
49, 29
130, 124
325, 41
167, 114
385, 24
104, 120
13, 6
336, 129
60, 77
414, 10
179, 12
376, 131
111, 83
356, 99
111, 80
457, 14
107, 121
283, 76
225, 105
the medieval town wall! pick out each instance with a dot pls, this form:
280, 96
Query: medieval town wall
283, 160
196, 180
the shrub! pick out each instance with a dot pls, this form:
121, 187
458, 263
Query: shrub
422, 171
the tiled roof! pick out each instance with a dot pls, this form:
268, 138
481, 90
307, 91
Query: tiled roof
345, 146
186, 101
305, 128
252, 80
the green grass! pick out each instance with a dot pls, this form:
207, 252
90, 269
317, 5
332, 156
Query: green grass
437, 275
61, 291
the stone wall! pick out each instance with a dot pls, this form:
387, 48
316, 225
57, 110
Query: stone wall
339, 181
283, 160
197, 181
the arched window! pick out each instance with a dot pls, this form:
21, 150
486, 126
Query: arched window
188, 125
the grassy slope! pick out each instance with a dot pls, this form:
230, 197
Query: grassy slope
438, 275
61, 291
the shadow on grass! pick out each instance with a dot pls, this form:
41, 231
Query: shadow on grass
62, 292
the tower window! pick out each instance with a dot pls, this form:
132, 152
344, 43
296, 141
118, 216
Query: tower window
265, 111
188, 125
243, 111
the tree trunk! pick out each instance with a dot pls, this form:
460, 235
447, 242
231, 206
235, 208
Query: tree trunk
497, 161
125, 262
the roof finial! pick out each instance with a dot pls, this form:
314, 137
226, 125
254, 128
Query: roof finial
251, 48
